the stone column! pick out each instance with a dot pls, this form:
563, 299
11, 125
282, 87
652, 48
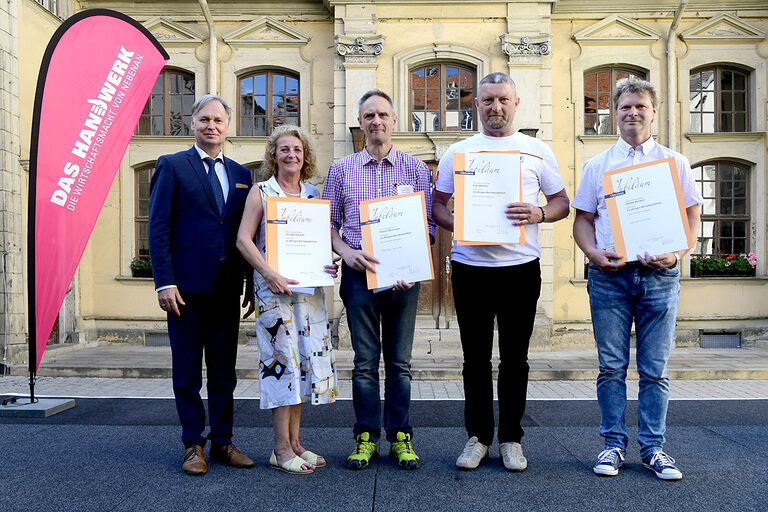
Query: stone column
527, 47
357, 47
12, 282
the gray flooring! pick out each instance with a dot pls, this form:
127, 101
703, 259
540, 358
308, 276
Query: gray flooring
124, 454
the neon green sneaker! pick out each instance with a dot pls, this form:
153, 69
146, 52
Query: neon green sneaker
365, 451
402, 451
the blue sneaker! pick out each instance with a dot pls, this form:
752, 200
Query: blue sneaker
663, 465
609, 461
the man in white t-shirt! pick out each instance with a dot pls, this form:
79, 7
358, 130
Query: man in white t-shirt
500, 282
644, 291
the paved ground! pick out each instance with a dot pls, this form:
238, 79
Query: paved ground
80, 387
125, 455
118, 448
141, 361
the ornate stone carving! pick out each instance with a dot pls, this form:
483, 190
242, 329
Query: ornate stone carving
525, 47
361, 46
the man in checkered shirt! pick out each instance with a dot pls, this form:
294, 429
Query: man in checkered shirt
378, 171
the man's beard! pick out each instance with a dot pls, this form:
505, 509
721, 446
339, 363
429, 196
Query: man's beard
496, 123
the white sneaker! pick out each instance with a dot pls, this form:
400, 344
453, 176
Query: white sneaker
474, 453
512, 456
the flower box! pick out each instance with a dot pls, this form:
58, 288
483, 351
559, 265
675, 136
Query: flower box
725, 273
141, 268
733, 265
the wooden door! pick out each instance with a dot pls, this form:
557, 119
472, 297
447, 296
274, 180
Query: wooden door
435, 297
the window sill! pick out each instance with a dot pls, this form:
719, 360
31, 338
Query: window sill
582, 283
604, 138
261, 139
163, 138
134, 279
725, 136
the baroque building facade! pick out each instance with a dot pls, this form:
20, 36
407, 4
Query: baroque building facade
308, 62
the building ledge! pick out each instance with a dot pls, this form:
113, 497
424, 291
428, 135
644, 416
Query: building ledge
725, 136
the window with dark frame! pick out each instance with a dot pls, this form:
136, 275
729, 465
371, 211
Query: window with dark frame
168, 111
599, 86
725, 215
267, 99
51, 5
256, 173
719, 97
142, 177
442, 98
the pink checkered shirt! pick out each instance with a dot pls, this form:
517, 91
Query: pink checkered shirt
358, 177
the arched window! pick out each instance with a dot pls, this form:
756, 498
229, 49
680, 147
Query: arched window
725, 216
169, 108
142, 177
442, 98
267, 99
599, 86
719, 99
256, 174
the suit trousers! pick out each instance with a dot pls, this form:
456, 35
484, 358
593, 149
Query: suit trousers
208, 326
509, 295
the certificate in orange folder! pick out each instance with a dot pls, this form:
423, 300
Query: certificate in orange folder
646, 209
395, 231
484, 184
298, 237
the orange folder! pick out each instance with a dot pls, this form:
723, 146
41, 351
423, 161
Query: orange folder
459, 191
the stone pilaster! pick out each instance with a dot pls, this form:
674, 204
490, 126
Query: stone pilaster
359, 54
12, 318
527, 47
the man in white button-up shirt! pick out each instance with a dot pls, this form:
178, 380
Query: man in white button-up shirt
644, 291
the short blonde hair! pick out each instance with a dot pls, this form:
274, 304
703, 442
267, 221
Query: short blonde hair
633, 84
269, 166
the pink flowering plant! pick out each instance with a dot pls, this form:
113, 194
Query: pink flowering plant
732, 262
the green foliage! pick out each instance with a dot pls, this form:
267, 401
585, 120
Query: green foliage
141, 267
732, 262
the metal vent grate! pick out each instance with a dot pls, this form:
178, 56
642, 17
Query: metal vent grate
157, 339
721, 340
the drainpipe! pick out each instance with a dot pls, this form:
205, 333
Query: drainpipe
5, 368
213, 55
672, 78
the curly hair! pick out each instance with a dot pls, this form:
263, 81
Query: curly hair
269, 166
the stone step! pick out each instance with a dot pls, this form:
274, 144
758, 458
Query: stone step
155, 362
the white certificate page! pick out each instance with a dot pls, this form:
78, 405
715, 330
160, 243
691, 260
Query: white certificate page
649, 212
398, 238
490, 182
299, 240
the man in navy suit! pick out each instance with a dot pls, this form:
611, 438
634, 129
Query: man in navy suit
195, 205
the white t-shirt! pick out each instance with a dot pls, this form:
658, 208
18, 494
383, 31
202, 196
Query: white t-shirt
590, 196
539, 173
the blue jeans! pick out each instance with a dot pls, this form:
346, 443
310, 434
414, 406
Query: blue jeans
649, 297
395, 312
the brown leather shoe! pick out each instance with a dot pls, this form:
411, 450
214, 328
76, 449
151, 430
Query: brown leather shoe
230, 456
194, 461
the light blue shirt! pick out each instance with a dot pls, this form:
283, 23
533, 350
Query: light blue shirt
221, 172
590, 197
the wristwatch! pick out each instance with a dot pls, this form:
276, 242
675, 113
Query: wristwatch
677, 260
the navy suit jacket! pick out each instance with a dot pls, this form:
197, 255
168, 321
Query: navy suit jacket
186, 232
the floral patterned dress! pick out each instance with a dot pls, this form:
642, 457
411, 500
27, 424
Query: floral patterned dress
296, 359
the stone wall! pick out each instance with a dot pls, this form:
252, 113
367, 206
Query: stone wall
11, 259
